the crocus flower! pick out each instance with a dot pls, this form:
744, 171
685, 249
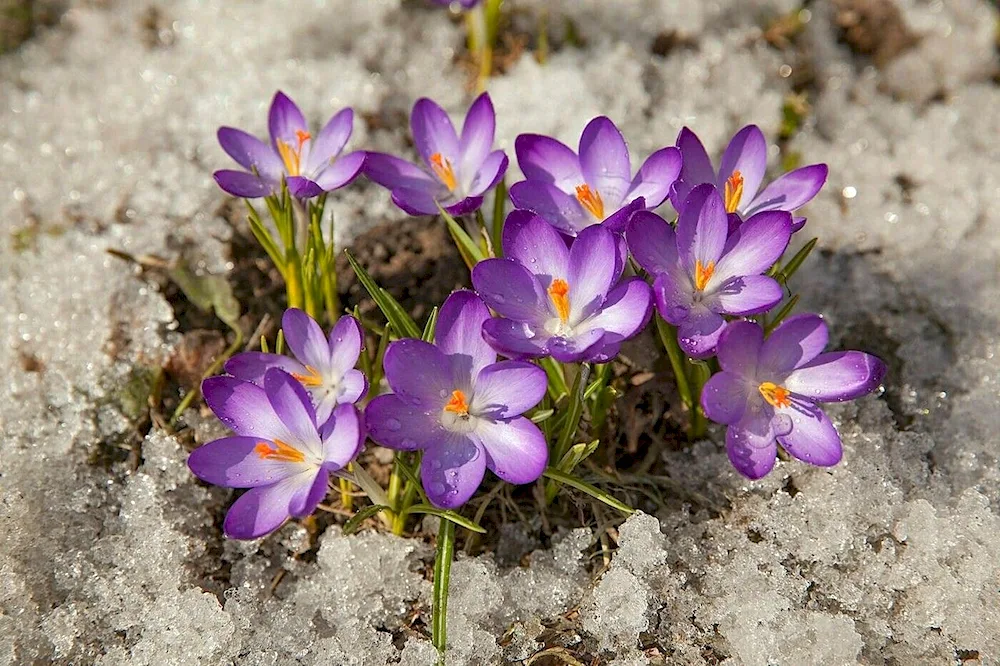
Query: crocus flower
309, 165
323, 365
574, 191
740, 175
556, 301
701, 273
457, 170
278, 450
768, 390
462, 408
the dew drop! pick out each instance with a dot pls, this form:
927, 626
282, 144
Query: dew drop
499, 298
678, 312
435, 464
437, 488
408, 444
393, 424
443, 393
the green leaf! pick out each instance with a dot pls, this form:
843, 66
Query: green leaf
412, 477
390, 307
208, 293
668, 336
447, 515
352, 525
470, 251
442, 578
557, 381
793, 264
429, 327
576, 455
603, 376
570, 480
542, 415
499, 206
574, 412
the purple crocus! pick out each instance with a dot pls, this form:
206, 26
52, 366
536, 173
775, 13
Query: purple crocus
278, 450
574, 191
309, 166
701, 273
740, 175
323, 365
462, 408
457, 170
556, 301
768, 389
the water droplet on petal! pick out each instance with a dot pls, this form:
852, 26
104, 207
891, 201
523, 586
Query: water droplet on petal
393, 424
437, 488
435, 464
443, 393
408, 444
781, 424
678, 312
499, 298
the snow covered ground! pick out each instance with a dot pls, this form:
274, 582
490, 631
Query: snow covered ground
107, 140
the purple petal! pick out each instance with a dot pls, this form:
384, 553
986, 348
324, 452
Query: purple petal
652, 242
544, 159
674, 296
292, 404
746, 295
353, 385
452, 470
792, 190
618, 220
515, 339
459, 333
242, 184
331, 140
477, 137
433, 132
702, 228
798, 223
529, 239
555, 206
489, 174
584, 346
746, 153
739, 348
679, 192
465, 206
724, 398
751, 445
301, 187
813, 439
419, 372
604, 160
251, 366
232, 462
655, 177
762, 240
306, 339
285, 119
393, 173
342, 437
837, 376
419, 201
507, 389
243, 408
250, 152
591, 271
343, 170
344, 345
795, 342
699, 333
303, 504
696, 167
395, 424
260, 511
625, 311
515, 450
510, 290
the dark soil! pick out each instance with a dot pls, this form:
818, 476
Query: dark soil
873, 28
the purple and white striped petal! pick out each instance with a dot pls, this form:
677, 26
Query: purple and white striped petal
331, 140
652, 242
250, 153
792, 190
746, 295
262, 510
529, 239
418, 372
797, 341
837, 376
399, 425
292, 404
478, 132
507, 389
303, 504
702, 229
655, 177
762, 240
232, 462
546, 160
342, 437
452, 469
516, 450
342, 171
739, 349
746, 154
306, 340
699, 333
284, 121
433, 133
244, 408
751, 445
591, 271
812, 439
604, 160
242, 184
251, 366
344, 344
724, 398
459, 334
559, 209
511, 290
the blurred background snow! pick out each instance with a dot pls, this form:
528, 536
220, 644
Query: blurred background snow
107, 122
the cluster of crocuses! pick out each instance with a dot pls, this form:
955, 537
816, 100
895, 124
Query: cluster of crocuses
560, 284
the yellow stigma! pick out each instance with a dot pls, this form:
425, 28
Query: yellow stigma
283, 452
559, 293
591, 200
457, 404
311, 379
734, 191
442, 167
292, 157
776, 396
702, 274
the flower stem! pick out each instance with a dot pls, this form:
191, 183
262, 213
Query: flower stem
668, 336
700, 373
442, 575
395, 486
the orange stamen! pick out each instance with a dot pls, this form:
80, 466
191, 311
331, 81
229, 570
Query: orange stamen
591, 200
310, 380
776, 396
734, 191
278, 451
457, 404
292, 157
559, 293
442, 167
702, 274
